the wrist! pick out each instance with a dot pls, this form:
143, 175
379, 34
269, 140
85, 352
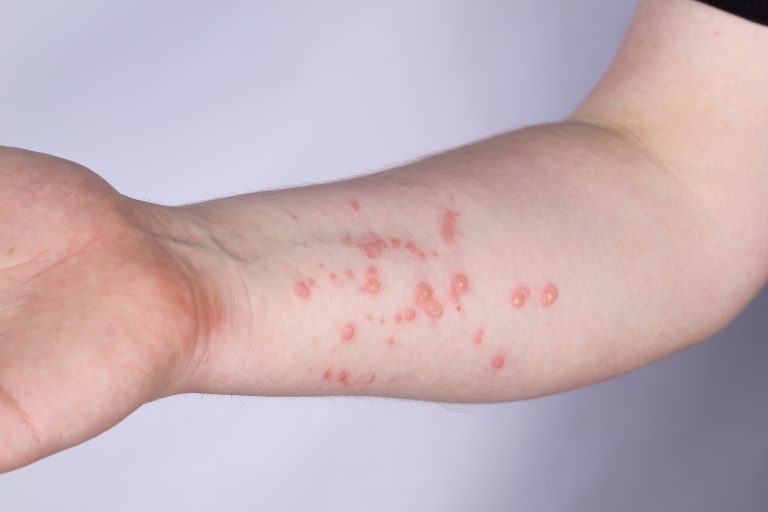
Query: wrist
213, 287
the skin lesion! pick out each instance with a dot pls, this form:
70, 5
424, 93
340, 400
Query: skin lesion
498, 361
448, 226
301, 289
346, 378
550, 295
347, 332
374, 248
425, 300
520, 296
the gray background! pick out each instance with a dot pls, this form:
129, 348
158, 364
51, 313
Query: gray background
182, 101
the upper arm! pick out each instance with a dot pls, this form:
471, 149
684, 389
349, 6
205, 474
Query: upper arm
690, 85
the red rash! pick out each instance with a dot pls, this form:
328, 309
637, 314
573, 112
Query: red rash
478, 339
409, 315
344, 377
498, 362
301, 289
390, 341
354, 205
398, 318
459, 286
327, 374
372, 271
428, 304
349, 274
549, 295
411, 247
373, 249
347, 332
520, 296
448, 226
372, 286
395, 243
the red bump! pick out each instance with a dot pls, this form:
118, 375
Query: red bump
549, 295
398, 318
395, 243
354, 205
448, 226
327, 374
520, 296
423, 293
460, 283
333, 276
478, 339
349, 274
433, 309
372, 271
347, 332
409, 315
344, 377
498, 362
390, 341
371, 286
347, 240
311, 282
374, 248
459, 286
301, 289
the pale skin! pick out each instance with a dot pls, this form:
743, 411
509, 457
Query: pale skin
530, 263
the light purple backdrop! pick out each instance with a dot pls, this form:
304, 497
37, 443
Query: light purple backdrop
179, 101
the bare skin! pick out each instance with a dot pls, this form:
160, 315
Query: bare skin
534, 262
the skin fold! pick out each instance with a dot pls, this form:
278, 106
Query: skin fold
529, 263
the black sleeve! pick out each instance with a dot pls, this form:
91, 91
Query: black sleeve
755, 10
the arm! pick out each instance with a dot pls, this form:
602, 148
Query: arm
555, 256
529, 263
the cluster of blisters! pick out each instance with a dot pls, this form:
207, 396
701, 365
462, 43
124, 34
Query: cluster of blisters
373, 246
521, 294
344, 377
459, 286
426, 301
304, 288
498, 359
372, 284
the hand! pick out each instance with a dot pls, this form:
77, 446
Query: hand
97, 317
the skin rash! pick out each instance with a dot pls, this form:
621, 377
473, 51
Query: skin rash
429, 297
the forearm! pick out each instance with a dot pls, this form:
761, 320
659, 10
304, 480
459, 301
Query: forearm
534, 262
